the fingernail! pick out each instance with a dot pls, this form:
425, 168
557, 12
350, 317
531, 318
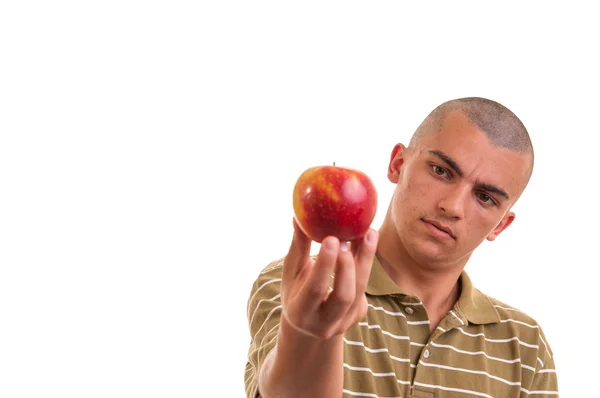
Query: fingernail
343, 246
371, 236
329, 245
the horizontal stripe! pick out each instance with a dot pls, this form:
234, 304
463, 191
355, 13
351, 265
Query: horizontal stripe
258, 290
479, 372
520, 323
376, 374
273, 338
263, 301
475, 353
269, 332
509, 361
539, 392
479, 394
399, 313
411, 303
267, 318
364, 394
545, 346
361, 344
547, 371
497, 340
364, 369
394, 336
506, 308
418, 322
272, 267
375, 350
387, 311
457, 317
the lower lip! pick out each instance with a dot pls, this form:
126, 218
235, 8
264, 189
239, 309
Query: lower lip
437, 232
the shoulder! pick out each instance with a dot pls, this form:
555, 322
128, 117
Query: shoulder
521, 324
510, 313
273, 271
263, 308
267, 282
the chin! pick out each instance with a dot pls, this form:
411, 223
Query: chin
429, 253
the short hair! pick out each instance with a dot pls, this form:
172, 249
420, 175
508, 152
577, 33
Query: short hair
495, 120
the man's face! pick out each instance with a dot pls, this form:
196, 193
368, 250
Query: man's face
454, 189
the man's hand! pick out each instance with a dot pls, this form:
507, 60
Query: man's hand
309, 305
308, 358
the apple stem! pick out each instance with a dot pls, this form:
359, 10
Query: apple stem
333, 164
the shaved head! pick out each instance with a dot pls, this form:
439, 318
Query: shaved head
495, 120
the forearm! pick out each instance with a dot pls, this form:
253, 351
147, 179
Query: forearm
302, 366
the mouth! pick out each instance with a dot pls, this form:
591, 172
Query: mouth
439, 228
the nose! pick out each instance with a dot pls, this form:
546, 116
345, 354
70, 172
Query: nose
452, 203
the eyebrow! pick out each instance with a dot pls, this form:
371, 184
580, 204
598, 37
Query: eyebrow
454, 166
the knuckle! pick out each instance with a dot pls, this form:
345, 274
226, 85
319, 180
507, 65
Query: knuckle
359, 310
362, 308
318, 290
346, 299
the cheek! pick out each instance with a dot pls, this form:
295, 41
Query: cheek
415, 185
411, 195
423, 192
479, 225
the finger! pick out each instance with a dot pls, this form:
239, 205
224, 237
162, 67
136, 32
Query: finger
317, 283
342, 297
354, 245
298, 253
365, 253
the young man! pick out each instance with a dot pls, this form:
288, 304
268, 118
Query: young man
395, 314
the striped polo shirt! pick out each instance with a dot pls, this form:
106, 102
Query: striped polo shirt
482, 348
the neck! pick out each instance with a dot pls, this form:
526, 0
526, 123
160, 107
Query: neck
437, 292
436, 284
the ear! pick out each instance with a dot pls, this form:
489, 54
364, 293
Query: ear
396, 162
504, 223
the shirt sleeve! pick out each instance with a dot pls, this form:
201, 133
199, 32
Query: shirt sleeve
545, 380
263, 312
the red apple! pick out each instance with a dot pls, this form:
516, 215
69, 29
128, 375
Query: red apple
334, 201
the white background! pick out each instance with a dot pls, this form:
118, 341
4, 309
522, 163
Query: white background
148, 151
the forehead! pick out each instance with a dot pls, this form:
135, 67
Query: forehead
477, 155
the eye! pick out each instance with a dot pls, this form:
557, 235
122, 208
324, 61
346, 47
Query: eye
439, 171
485, 198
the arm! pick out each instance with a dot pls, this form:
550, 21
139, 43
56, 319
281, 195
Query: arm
545, 382
302, 366
308, 357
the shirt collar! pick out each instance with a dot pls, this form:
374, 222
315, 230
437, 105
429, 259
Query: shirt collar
475, 306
